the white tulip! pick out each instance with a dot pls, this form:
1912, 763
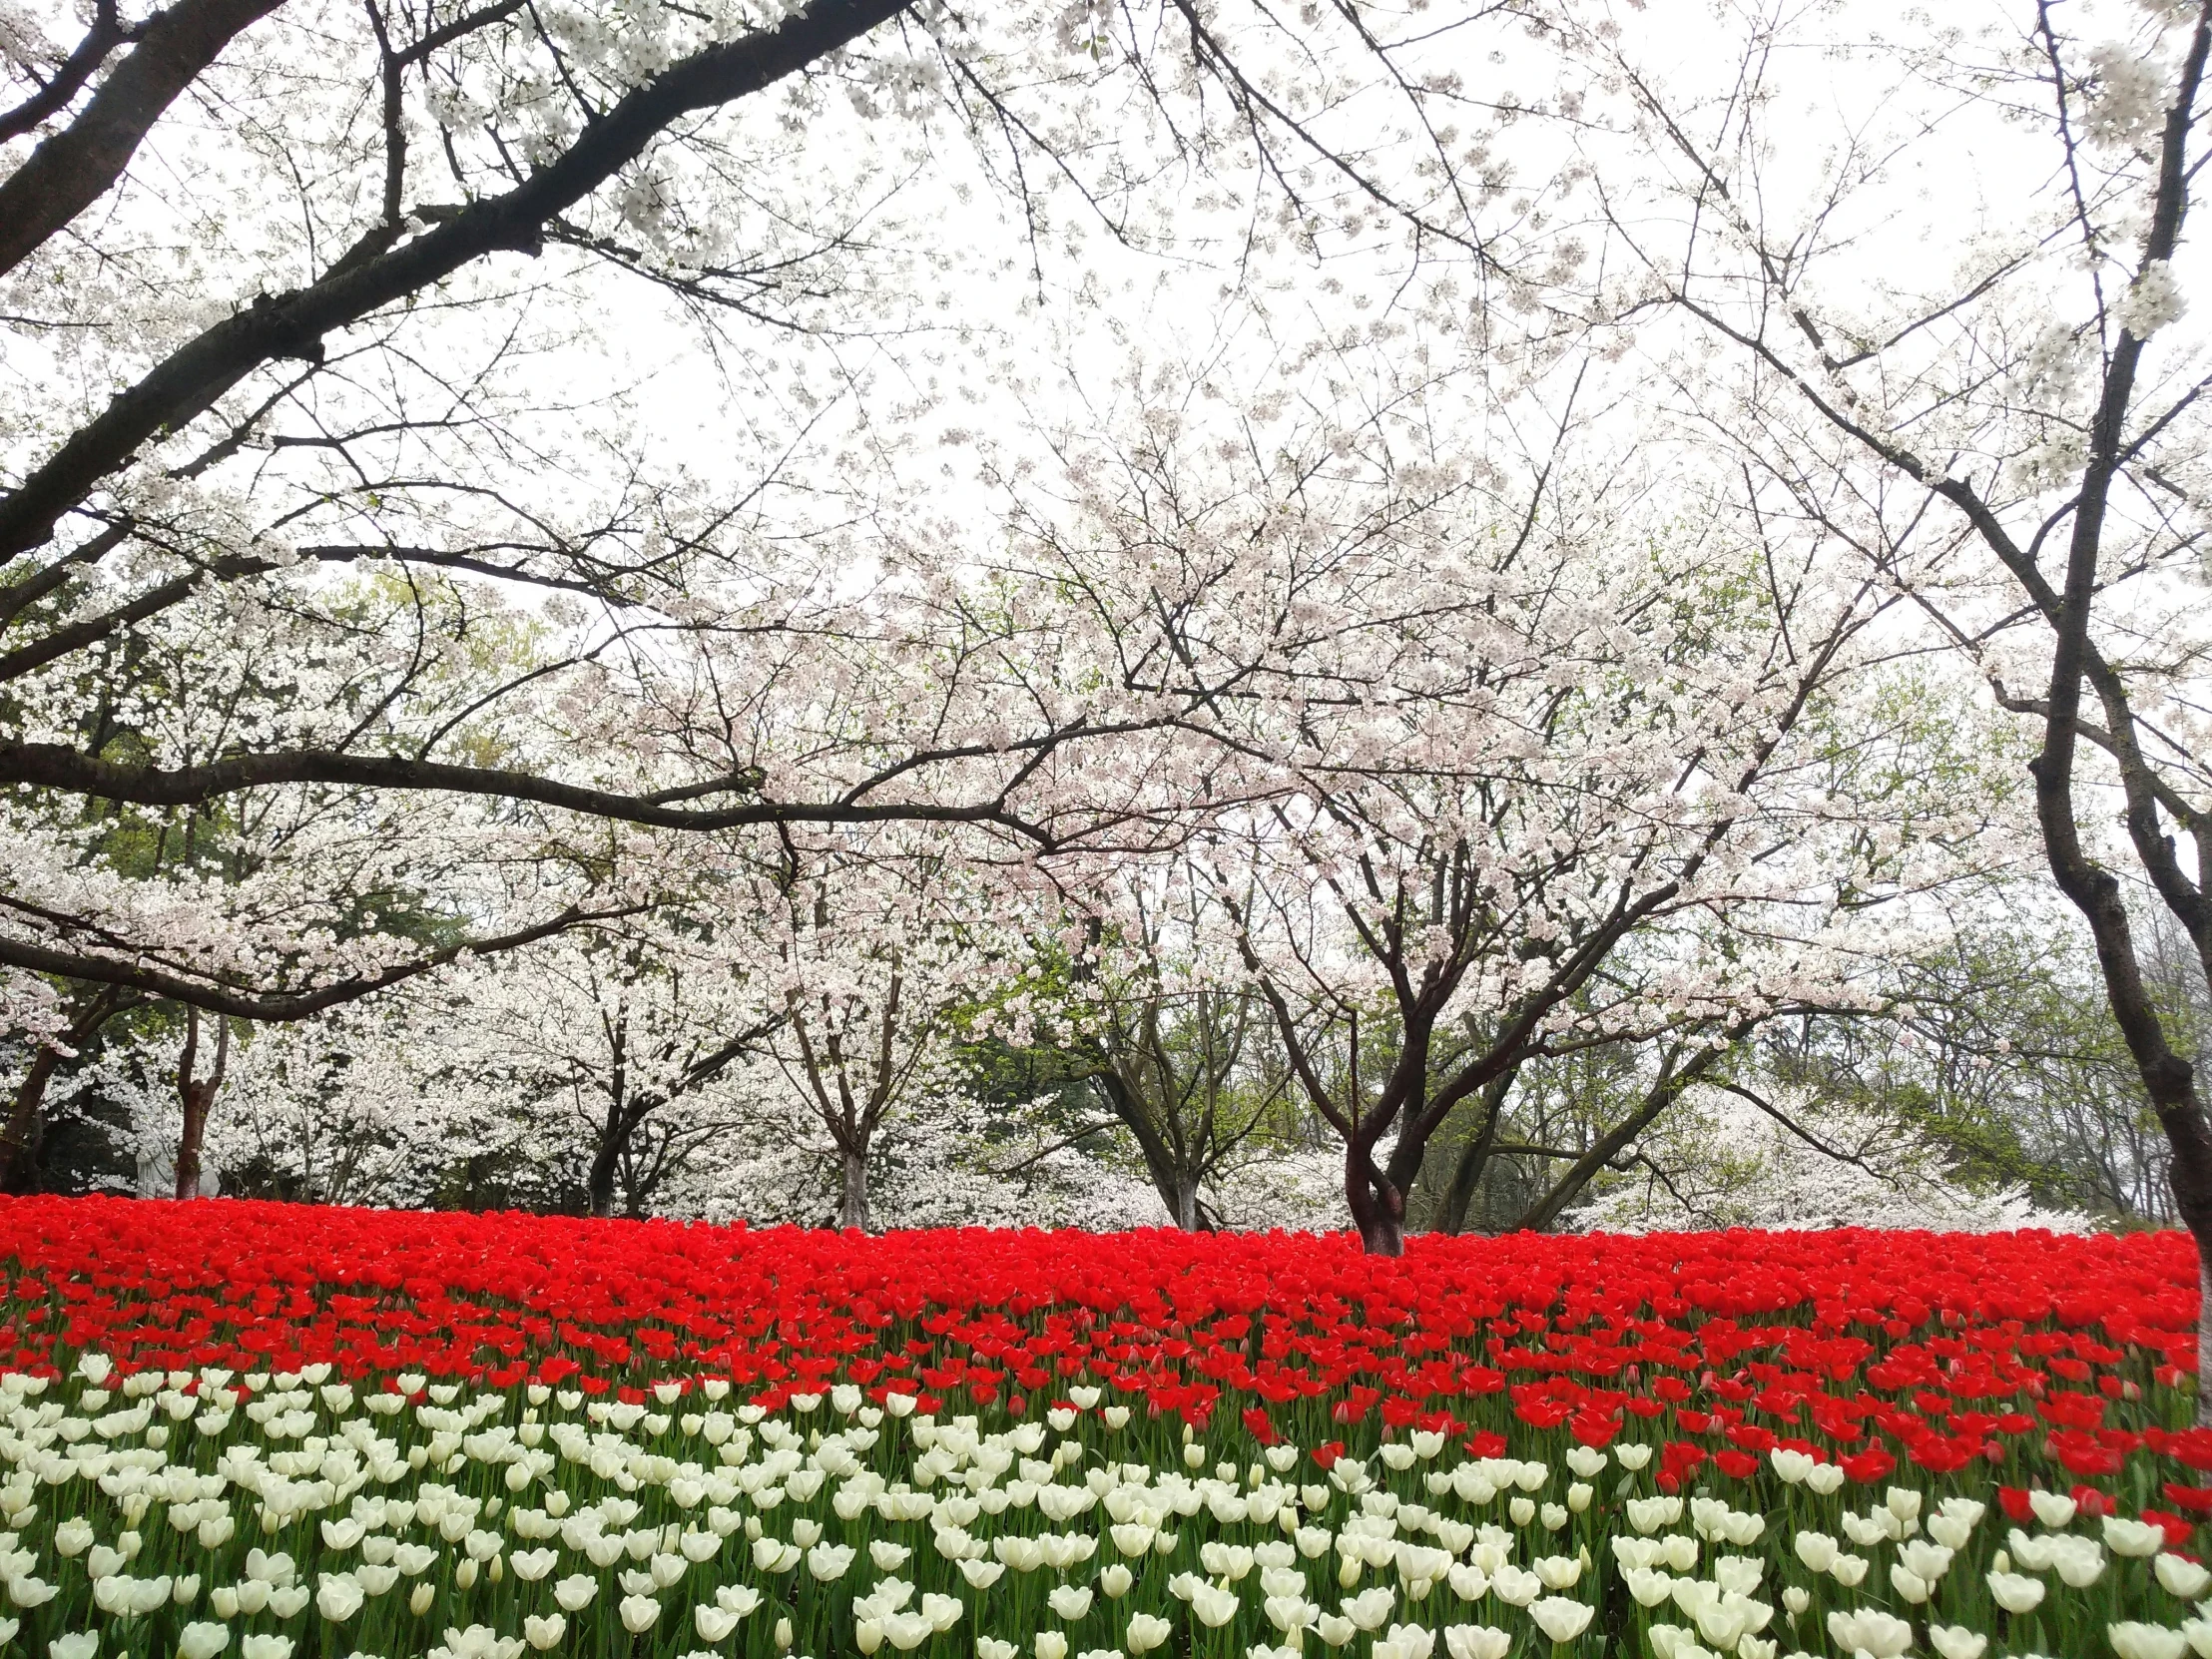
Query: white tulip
1469, 1582
1514, 1587
1955, 1641
1070, 1602
2181, 1577
713, 1624
1559, 1573
1145, 1633
2136, 1539
1950, 1531
1791, 1466
1882, 1634
339, 1597
478, 1641
2054, 1509
574, 1593
1214, 1607
1406, 1641
1926, 1560
2131, 1640
1561, 1618
2080, 1562
1371, 1609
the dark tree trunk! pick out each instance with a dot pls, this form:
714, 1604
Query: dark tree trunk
1673, 1080
1378, 1204
621, 1122
73, 167
197, 1096
1182, 1197
1172, 1178
1382, 1233
25, 1130
1474, 1157
852, 1192
1467, 1176
2169, 1079
600, 1184
19, 1141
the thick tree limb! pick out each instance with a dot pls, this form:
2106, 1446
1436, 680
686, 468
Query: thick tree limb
1673, 1080
55, 765
217, 998
105, 35
75, 167
190, 380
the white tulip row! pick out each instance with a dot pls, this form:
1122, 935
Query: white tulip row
295, 1514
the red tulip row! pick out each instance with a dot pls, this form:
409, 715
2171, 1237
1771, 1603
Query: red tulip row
2030, 1359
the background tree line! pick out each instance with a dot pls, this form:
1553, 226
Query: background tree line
670, 611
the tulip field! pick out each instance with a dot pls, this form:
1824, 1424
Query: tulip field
282, 1432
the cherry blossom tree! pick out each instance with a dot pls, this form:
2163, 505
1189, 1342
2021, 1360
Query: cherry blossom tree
626, 1038
196, 1096
1741, 1159
878, 964
2007, 427
44, 1053
1172, 1042
1501, 765
305, 289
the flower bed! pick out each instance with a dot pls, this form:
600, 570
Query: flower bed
279, 1432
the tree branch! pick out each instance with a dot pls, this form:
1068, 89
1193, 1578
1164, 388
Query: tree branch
275, 1007
190, 380
75, 167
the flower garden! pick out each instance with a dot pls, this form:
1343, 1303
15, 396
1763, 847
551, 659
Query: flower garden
279, 1433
